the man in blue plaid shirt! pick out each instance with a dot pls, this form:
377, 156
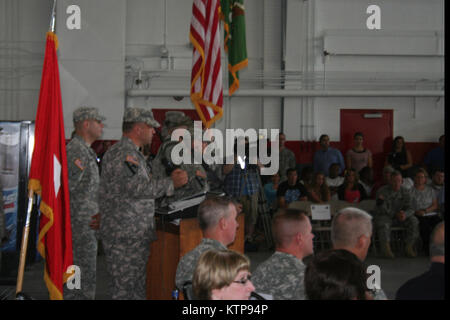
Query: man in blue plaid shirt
243, 185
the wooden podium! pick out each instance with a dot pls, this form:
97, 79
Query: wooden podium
173, 242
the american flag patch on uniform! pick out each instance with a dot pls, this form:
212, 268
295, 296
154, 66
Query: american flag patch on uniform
79, 164
132, 160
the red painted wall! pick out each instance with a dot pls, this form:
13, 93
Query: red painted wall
304, 150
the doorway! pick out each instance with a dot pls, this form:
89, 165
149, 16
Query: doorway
377, 128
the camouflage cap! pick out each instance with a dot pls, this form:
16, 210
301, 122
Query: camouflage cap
140, 115
175, 119
85, 113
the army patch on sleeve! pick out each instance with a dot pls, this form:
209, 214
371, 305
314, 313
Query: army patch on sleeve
79, 164
132, 160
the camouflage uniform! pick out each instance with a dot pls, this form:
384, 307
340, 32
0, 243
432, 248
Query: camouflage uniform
287, 161
197, 176
84, 180
83, 186
127, 206
384, 214
187, 264
282, 276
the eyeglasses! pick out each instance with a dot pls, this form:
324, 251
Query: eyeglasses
244, 281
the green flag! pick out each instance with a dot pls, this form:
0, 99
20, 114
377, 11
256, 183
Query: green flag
233, 16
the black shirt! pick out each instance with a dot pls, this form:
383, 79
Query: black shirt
291, 193
428, 286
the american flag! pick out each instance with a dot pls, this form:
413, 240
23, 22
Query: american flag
206, 77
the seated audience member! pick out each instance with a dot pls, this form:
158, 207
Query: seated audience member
351, 230
306, 175
431, 284
435, 158
290, 190
366, 179
318, 191
425, 206
334, 180
286, 158
222, 275
358, 157
336, 275
393, 207
385, 180
351, 190
399, 158
270, 190
326, 155
217, 220
408, 183
437, 180
282, 274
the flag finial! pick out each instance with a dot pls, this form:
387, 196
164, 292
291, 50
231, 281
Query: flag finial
53, 18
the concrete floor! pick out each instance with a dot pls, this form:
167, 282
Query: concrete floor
393, 274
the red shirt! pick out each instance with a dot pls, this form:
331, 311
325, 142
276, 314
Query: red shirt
352, 196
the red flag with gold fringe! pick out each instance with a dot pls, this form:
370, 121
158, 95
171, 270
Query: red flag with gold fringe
48, 176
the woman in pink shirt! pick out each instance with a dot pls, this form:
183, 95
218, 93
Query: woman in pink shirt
351, 190
358, 157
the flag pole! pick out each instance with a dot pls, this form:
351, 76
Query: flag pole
23, 249
26, 229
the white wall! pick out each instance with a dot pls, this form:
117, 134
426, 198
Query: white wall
99, 63
92, 61
145, 36
417, 119
423, 123
23, 25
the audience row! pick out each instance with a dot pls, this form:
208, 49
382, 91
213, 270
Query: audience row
213, 272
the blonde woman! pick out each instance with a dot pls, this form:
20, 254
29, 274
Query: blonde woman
222, 275
318, 191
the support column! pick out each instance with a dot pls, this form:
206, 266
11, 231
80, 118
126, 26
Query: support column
299, 116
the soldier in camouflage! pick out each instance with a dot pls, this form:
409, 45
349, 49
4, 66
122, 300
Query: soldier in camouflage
394, 208
282, 275
287, 158
163, 164
173, 120
127, 203
351, 230
217, 220
84, 180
